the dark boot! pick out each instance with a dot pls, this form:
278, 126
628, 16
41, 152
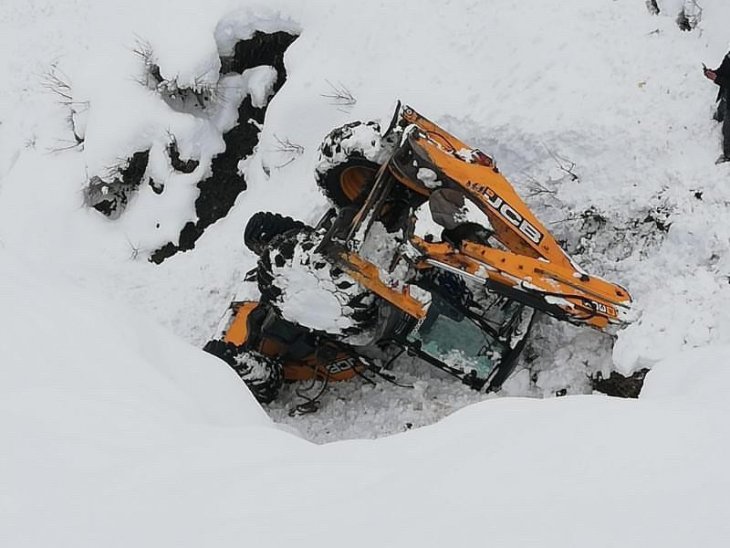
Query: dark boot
726, 137
719, 115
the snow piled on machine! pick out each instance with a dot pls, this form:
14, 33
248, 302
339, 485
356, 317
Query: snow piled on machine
310, 291
117, 432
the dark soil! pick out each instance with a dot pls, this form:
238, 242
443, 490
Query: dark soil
619, 386
178, 164
218, 193
110, 199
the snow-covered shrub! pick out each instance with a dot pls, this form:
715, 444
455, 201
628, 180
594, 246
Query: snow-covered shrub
112, 197
688, 12
181, 97
77, 108
616, 239
194, 117
652, 6
690, 15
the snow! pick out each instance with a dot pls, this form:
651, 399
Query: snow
428, 177
159, 444
311, 294
378, 249
118, 430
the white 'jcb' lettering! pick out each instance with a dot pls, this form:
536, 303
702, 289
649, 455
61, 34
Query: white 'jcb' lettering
507, 211
531, 232
510, 214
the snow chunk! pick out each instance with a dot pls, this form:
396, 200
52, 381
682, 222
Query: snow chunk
701, 375
314, 293
261, 82
242, 24
428, 177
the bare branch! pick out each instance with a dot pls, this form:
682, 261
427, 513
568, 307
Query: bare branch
69, 146
537, 188
287, 148
134, 249
143, 49
58, 83
285, 145
564, 164
339, 95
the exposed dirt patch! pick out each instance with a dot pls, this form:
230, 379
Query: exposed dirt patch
178, 164
218, 192
111, 198
619, 386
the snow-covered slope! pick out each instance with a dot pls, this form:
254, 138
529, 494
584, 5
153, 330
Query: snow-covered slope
117, 431
117, 434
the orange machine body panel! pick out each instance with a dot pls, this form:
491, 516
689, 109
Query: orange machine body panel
340, 368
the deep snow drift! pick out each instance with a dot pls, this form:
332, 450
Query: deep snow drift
118, 432
153, 443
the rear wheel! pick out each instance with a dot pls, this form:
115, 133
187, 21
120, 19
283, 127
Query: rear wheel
349, 159
350, 182
264, 375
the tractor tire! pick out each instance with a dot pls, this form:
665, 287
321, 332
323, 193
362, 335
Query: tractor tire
290, 254
263, 375
349, 159
264, 226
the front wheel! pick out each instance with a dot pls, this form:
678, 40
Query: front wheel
263, 226
264, 375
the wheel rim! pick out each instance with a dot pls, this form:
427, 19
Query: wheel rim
354, 180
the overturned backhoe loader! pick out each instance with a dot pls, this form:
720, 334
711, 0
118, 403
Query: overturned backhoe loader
427, 250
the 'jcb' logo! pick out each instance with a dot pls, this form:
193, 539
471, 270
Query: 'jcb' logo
341, 366
507, 211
